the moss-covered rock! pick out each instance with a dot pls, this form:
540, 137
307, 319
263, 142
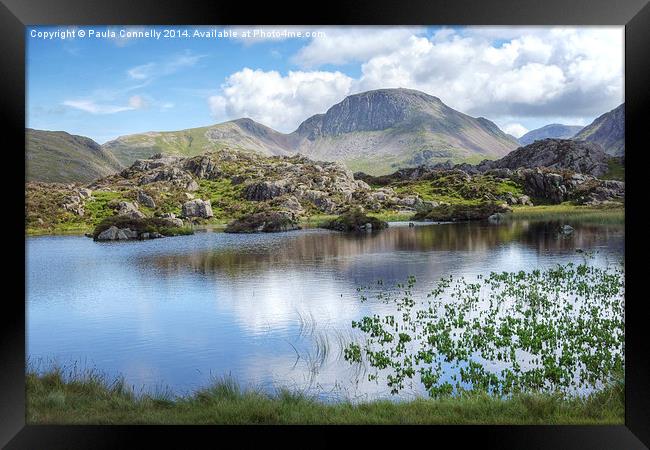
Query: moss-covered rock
453, 213
354, 220
265, 222
129, 228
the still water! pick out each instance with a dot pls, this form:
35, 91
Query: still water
270, 310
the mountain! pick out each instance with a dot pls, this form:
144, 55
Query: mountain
240, 134
607, 130
375, 131
384, 129
56, 156
554, 130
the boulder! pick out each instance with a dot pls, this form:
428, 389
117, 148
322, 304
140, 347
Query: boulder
265, 190
126, 234
109, 234
292, 204
129, 209
85, 193
146, 199
192, 186
197, 208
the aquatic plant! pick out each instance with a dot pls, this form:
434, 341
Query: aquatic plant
559, 330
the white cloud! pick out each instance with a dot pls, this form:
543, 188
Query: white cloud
281, 102
141, 72
91, 106
94, 108
511, 75
546, 72
344, 45
515, 129
167, 67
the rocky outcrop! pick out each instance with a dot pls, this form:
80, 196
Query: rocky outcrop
355, 220
197, 208
563, 186
562, 154
455, 213
264, 222
124, 228
266, 190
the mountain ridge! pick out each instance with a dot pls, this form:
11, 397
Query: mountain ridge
397, 125
608, 130
553, 131
58, 156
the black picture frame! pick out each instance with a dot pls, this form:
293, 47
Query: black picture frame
634, 14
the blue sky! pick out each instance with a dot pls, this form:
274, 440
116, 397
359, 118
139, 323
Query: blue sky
521, 78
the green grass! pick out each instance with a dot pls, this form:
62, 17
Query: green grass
90, 398
613, 214
616, 170
455, 189
226, 198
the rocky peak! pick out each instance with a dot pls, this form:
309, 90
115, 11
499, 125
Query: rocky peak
608, 131
369, 111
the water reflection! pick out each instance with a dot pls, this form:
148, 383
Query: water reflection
269, 309
315, 247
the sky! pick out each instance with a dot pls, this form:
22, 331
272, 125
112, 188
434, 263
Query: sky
105, 82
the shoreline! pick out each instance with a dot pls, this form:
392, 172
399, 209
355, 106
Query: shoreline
92, 399
593, 214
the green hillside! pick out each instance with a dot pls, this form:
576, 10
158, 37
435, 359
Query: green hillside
56, 156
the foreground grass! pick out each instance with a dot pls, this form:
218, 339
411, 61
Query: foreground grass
614, 214
90, 399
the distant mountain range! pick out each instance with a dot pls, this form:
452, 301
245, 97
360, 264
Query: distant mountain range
56, 156
375, 132
554, 130
608, 131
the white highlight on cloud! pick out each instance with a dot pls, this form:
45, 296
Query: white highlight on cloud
515, 129
345, 45
172, 65
496, 72
87, 105
141, 72
281, 102
94, 108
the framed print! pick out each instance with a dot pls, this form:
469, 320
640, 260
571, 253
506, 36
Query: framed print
391, 214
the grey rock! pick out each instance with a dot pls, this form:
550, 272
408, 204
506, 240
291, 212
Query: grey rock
576, 156
266, 190
192, 186
126, 234
197, 208
146, 199
129, 209
109, 234
85, 193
